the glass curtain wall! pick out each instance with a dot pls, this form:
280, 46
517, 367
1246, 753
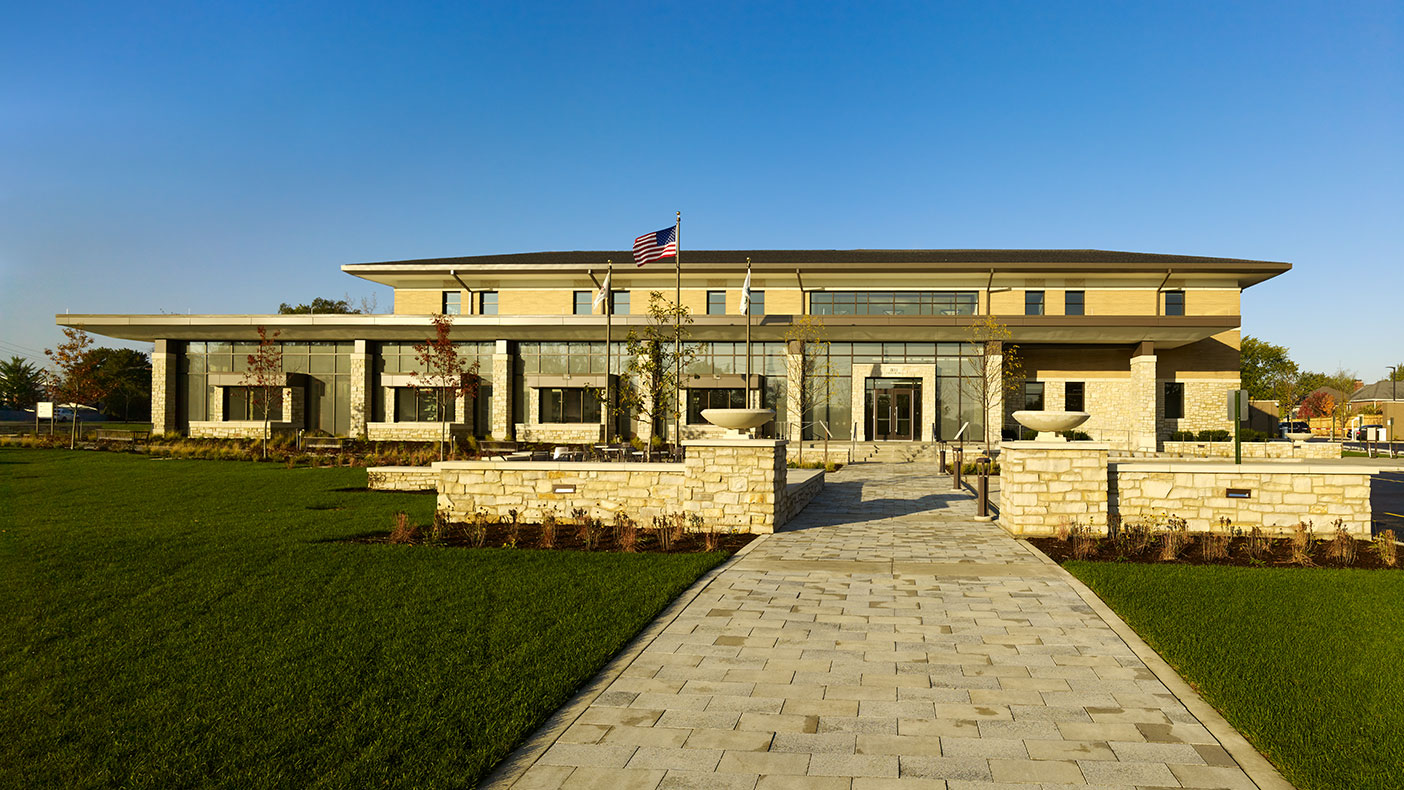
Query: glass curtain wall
400, 358
327, 365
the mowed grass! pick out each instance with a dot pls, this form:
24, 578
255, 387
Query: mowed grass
173, 624
1306, 663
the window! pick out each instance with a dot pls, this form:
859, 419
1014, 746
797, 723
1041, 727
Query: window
1033, 302
487, 303
1174, 302
1074, 303
713, 398
1174, 400
716, 303
246, 403
893, 302
569, 404
583, 304
619, 302
420, 404
1033, 396
453, 302
1073, 396
757, 303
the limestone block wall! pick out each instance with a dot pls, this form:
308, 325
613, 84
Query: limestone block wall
163, 390
220, 428
1273, 494
798, 494
413, 431
1045, 484
561, 433
1276, 450
360, 389
402, 478
1206, 406
733, 485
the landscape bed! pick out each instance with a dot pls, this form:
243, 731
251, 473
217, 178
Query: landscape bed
1304, 663
203, 623
1304, 551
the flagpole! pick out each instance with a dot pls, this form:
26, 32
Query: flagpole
609, 316
747, 297
677, 335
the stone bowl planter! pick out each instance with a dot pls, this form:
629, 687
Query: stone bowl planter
1050, 423
737, 421
1299, 437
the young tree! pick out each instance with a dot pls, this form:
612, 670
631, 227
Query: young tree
444, 374
21, 384
76, 380
264, 377
994, 373
809, 375
655, 353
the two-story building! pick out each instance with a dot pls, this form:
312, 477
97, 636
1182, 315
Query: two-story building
1147, 343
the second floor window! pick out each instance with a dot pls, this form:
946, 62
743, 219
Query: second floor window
1033, 395
757, 306
569, 404
716, 303
1074, 302
619, 302
453, 302
1033, 302
487, 303
583, 304
1174, 302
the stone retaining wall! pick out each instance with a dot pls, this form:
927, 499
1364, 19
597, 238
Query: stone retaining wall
1271, 494
807, 485
734, 485
413, 431
236, 429
402, 478
1283, 450
561, 433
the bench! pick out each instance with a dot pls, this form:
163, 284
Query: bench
120, 435
496, 449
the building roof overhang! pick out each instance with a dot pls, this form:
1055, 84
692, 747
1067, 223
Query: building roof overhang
1164, 331
819, 268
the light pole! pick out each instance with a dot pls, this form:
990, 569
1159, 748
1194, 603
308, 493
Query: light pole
1393, 398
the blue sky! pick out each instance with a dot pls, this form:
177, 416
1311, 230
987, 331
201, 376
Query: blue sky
226, 157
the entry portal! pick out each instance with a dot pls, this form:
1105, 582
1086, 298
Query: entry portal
894, 409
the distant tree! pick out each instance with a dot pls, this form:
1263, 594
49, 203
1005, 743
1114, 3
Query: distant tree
810, 375
320, 306
264, 376
126, 374
1319, 403
445, 374
1397, 374
21, 384
654, 354
1264, 369
988, 379
76, 380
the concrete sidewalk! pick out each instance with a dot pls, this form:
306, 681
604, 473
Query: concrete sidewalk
886, 639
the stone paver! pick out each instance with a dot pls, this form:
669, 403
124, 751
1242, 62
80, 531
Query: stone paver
885, 639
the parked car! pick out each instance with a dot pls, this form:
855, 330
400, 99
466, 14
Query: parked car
1292, 426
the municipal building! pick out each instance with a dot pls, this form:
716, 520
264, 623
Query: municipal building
1147, 343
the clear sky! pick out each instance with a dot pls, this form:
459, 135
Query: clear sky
223, 157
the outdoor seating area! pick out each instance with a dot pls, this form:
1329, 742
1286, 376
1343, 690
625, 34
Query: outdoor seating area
618, 452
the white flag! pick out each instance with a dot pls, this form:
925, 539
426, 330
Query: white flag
746, 294
604, 291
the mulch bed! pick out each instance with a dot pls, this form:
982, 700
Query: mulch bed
569, 537
1277, 553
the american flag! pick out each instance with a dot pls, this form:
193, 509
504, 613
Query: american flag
655, 246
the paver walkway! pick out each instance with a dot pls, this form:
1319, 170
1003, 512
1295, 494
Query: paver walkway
885, 639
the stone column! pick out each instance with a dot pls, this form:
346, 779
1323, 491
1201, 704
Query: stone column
165, 365
1145, 403
500, 396
735, 483
1048, 484
361, 366
994, 418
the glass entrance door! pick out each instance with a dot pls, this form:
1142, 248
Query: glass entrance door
894, 413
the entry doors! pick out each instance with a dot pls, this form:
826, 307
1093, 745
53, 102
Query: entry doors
894, 411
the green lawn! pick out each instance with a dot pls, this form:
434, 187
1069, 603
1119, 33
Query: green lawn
1305, 663
193, 624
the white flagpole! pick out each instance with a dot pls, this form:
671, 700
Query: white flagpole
746, 299
677, 335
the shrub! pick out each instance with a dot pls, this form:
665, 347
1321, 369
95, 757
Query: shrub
1214, 545
1182, 436
1083, 543
1076, 436
663, 531
478, 532
513, 527
626, 532
1215, 435
1300, 543
548, 530
1385, 548
439, 529
403, 531
1342, 548
1258, 546
1173, 540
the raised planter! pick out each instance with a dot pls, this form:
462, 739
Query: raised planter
738, 421
1050, 423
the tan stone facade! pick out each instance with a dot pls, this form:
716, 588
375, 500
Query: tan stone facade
1045, 485
1283, 450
